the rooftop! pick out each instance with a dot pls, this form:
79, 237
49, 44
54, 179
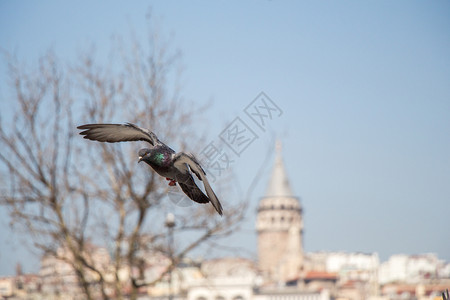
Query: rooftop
279, 185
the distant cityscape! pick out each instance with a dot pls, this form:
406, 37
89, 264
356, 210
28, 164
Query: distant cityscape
282, 270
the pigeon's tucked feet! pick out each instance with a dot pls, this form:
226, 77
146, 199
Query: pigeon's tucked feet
171, 182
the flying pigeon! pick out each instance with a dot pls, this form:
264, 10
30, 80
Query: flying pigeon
175, 167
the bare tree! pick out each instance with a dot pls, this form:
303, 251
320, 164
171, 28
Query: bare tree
68, 193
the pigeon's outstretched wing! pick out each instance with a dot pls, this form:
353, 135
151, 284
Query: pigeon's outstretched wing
113, 133
181, 161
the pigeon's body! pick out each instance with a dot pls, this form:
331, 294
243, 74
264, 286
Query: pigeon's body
160, 158
176, 167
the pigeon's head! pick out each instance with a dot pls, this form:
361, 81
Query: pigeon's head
144, 154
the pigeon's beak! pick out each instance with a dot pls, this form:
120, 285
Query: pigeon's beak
140, 159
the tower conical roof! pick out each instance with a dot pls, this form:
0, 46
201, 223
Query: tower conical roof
279, 184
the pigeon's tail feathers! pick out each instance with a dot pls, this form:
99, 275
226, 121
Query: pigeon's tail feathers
212, 196
181, 160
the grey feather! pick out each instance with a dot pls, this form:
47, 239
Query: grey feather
113, 133
181, 160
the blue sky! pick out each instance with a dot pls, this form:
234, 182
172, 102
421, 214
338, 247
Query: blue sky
364, 88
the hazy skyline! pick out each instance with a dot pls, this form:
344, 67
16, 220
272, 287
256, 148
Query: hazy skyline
364, 89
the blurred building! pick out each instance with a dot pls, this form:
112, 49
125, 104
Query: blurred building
414, 277
21, 286
58, 277
239, 279
413, 268
7, 286
224, 279
280, 228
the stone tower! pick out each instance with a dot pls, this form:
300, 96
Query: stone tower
280, 227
